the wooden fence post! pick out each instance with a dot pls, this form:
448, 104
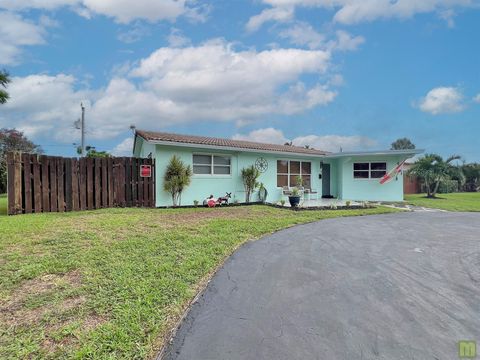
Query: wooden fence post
37, 185
60, 162
68, 185
11, 184
27, 182
45, 184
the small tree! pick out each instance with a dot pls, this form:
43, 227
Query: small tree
402, 144
250, 176
4, 80
177, 177
13, 140
432, 169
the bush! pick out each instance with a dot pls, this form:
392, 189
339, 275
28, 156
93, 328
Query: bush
177, 177
448, 186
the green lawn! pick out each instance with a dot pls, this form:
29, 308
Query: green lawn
112, 283
3, 204
452, 202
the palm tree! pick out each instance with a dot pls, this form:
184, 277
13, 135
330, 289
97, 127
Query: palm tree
177, 177
432, 169
4, 80
249, 176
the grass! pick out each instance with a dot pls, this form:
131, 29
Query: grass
3, 204
112, 283
453, 202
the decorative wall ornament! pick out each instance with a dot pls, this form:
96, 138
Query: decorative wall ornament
261, 164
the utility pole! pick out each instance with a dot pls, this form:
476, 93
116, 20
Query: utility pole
82, 125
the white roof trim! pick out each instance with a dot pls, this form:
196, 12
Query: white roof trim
410, 152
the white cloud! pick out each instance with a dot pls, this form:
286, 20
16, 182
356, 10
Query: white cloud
177, 39
123, 11
213, 81
209, 82
334, 143
44, 104
125, 148
357, 11
134, 34
280, 14
442, 100
16, 32
267, 135
331, 143
36, 4
477, 98
346, 42
303, 34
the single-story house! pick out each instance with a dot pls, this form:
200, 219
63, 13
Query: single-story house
217, 164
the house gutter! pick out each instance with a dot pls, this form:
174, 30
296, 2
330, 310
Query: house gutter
408, 153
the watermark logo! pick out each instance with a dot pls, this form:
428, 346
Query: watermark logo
467, 349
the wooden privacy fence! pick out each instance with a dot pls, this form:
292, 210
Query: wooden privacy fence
38, 183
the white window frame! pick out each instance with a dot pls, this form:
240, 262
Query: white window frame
369, 171
289, 174
212, 165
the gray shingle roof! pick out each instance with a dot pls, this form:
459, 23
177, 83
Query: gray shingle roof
213, 141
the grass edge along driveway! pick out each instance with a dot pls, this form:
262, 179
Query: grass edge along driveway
468, 201
112, 283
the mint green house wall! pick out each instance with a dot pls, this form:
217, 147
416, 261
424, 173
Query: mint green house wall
217, 185
342, 183
368, 189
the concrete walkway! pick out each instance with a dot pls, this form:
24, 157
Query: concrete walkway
396, 286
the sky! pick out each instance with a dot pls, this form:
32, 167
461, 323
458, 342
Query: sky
350, 74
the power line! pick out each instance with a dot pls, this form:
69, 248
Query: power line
54, 145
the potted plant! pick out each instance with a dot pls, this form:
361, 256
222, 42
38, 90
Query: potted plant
294, 197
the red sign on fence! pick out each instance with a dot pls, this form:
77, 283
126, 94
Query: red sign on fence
145, 171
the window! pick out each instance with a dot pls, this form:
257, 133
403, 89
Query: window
289, 171
369, 170
211, 164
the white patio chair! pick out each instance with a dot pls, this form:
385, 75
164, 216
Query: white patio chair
311, 192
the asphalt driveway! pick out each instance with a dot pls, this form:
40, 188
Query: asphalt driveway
396, 286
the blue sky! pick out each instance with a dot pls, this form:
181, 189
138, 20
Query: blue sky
339, 73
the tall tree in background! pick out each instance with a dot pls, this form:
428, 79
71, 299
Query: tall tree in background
13, 140
4, 80
472, 176
402, 144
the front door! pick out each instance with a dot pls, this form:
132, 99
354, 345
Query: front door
326, 180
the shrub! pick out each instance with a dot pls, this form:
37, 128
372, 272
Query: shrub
249, 176
177, 177
448, 186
